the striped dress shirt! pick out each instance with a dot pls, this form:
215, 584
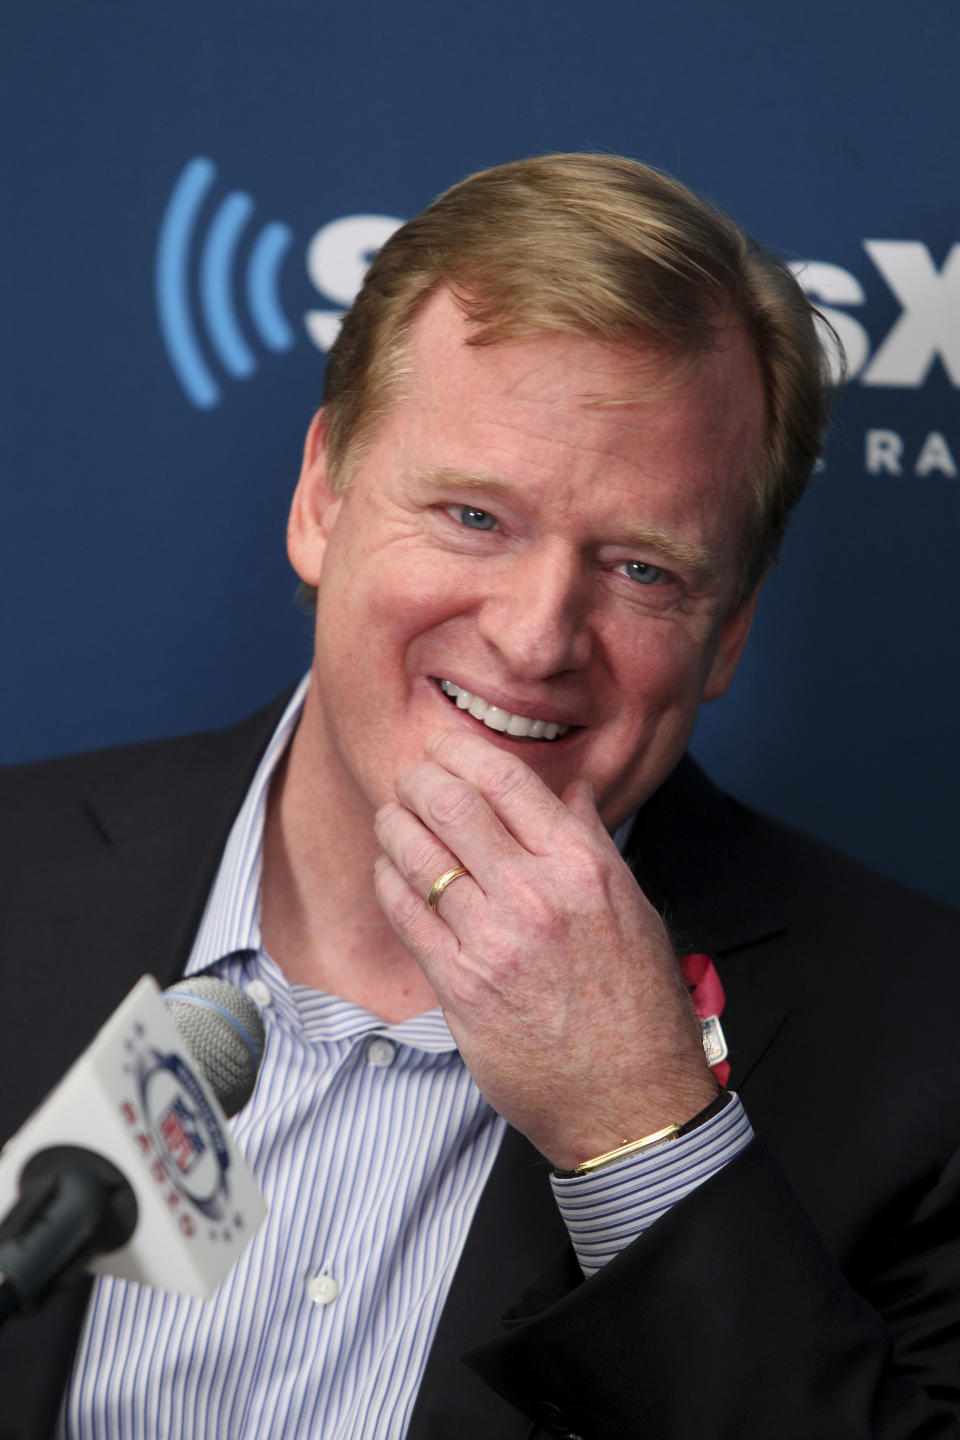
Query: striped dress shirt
372, 1145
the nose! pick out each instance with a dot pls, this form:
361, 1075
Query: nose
537, 614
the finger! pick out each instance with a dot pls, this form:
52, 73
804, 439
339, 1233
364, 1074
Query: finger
580, 800
452, 810
424, 933
443, 882
521, 801
416, 853
428, 867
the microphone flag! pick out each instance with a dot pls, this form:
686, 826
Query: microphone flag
139, 1099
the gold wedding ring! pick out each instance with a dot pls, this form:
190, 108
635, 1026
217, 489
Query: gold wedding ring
442, 881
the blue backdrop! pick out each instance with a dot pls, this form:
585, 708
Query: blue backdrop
191, 193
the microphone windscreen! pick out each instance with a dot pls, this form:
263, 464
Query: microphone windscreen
224, 1031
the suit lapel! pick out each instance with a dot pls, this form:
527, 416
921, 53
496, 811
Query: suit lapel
704, 861
125, 903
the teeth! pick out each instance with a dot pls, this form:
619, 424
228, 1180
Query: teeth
519, 726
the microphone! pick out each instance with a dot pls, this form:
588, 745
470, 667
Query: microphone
223, 1029
128, 1167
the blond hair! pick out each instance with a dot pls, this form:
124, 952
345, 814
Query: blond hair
606, 248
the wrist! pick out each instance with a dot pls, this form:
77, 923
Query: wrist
651, 1141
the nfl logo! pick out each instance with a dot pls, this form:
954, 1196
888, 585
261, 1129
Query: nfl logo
181, 1139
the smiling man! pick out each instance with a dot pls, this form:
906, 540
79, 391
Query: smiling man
511, 1192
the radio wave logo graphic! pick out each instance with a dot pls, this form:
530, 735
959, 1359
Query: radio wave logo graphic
217, 261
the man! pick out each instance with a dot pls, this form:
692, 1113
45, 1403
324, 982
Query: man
565, 424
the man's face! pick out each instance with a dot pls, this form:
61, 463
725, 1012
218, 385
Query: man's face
521, 533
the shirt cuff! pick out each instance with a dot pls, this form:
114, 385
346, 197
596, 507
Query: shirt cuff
608, 1209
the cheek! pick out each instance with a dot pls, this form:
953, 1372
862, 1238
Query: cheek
430, 601
377, 631
662, 667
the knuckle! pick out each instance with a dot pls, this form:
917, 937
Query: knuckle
387, 818
424, 861
450, 803
404, 910
408, 781
503, 776
541, 914
593, 873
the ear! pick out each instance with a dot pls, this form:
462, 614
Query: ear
314, 509
733, 636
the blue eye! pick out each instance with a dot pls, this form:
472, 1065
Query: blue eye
472, 518
643, 573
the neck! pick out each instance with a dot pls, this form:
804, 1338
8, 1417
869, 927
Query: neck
320, 917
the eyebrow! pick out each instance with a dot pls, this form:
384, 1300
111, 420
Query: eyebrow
687, 553
682, 552
464, 480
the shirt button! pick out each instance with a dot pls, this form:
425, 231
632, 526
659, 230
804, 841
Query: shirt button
322, 1289
260, 993
381, 1052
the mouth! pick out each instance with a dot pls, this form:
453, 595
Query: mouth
518, 727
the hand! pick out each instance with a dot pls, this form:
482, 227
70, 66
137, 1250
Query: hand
556, 976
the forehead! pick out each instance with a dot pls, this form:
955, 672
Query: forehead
562, 401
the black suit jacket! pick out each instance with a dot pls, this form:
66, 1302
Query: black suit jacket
810, 1289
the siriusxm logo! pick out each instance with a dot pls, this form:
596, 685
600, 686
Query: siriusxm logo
928, 326
204, 303
198, 287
